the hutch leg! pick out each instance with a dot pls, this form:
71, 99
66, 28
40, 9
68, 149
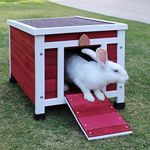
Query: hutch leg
12, 79
120, 102
119, 105
39, 78
39, 116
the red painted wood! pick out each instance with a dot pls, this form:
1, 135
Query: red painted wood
111, 87
22, 61
76, 36
51, 57
109, 130
23, 71
51, 85
112, 55
112, 51
113, 60
50, 73
97, 118
50, 95
24, 42
22, 58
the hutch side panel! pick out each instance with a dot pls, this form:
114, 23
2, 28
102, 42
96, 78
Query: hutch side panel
22, 61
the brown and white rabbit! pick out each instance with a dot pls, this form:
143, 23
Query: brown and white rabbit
93, 75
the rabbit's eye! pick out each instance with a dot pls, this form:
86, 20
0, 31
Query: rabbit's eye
116, 70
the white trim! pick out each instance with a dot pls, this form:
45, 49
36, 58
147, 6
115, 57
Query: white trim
104, 41
77, 29
113, 22
72, 43
109, 135
46, 18
58, 44
59, 101
110, 94
39, 75
121, 61
54, 101
121, 48
60, 72
23, 27
68, 29
9, 52
104, 45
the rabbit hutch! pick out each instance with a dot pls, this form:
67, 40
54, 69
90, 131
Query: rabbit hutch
37, 55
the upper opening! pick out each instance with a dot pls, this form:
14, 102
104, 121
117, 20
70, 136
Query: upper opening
77, 50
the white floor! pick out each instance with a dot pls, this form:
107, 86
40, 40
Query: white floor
138, 10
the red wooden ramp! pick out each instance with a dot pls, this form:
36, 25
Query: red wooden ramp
98, 119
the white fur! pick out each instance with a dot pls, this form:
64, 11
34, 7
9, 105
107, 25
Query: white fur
91, 75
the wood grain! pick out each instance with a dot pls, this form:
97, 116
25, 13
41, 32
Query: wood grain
96, 118
22, 61
76, 36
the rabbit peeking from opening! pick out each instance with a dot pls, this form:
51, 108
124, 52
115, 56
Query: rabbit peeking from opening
93, 75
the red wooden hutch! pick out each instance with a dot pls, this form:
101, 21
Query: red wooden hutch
37, 48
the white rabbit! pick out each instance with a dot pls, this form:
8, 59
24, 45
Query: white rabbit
93, 75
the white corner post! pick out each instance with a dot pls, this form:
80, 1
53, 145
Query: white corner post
9, 52
60, 72
121, 61
39, 75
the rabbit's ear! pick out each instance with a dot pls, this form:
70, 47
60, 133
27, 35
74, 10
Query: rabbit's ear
101, 56
90, 53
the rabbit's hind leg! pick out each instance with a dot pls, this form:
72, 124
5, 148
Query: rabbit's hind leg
87, 94
99, 94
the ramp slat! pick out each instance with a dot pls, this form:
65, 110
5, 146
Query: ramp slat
98, 119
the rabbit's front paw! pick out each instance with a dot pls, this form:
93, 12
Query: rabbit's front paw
99, 95
89, 97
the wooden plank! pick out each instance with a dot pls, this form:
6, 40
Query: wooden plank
49, 95
102, 120
22, 66
112, 51
51, 57
50, 72
111, 87
28, 39
22, 59
112, 55
96, 118
24, 77
51, 85
83, 109
110, 130
51, 64
76, 36
24, 42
